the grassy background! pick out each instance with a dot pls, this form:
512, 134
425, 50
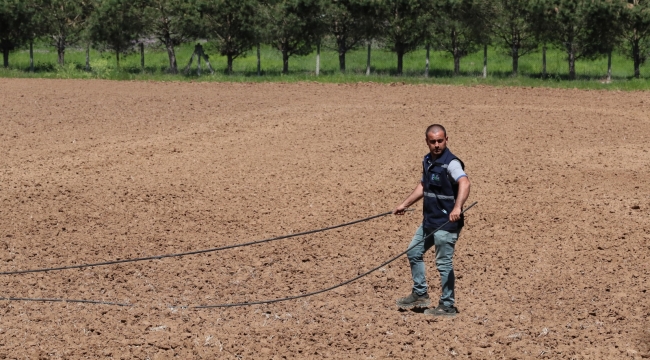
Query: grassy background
590, 73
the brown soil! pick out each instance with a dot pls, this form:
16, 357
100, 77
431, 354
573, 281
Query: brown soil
553, 262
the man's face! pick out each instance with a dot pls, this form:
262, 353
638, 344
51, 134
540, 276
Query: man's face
437, 142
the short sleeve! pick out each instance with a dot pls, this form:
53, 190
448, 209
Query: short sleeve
455, 170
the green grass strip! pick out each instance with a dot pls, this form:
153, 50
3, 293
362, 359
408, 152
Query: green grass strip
590, 73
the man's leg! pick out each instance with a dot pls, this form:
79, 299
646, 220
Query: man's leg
445, 244
415, 256
419, 296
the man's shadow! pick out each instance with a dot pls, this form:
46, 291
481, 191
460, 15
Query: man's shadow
415, 310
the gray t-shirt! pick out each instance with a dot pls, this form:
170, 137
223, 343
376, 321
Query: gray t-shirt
455, 171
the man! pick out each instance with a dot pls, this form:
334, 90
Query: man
445, 188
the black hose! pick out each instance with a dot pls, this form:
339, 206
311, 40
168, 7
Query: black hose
64, 300
156, 257
222, 248
332, 287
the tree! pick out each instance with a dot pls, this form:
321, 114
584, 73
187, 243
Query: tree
173, 22
117, 24
484, 26
373, 22
34, 29
514, 28
15, 20
541, 26
636, 32
348, 22
233, 24
405, 26
291, 27
63, 21
460, 26
604, 29
565, 24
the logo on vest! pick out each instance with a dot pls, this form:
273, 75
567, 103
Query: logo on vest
435, 178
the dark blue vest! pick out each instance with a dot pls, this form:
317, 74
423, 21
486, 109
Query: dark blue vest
440, 193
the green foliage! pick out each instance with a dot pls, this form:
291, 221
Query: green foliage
636, 32
514, 29
291, 26
583, 29
103, 64
117, 25
603, 25
350, 22
15, 22
566, 26
63, 21
405, 26
460, 25
232, 24
173, 22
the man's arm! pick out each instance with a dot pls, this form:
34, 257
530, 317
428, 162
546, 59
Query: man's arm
463, 194
416, 195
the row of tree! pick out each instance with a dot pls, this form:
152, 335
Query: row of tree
583, 28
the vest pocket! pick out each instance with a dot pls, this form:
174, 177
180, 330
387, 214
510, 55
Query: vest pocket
435, 179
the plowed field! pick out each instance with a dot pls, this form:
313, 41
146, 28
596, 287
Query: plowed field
553, 263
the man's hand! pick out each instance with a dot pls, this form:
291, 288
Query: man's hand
416, 195
463, 193
454, 215
399, 210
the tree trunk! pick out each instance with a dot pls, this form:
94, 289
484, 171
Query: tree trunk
88, 57
117, 57
609, 66
544, 62
342, 57
60, 50
31, 55
515, 61
229, 68
400, 61
259, 63
198, 63
173, 67
636, 57
572, 65
368, 61
61, 56
456, 53
142, 56
5, 57
484, 61
426, 65
572, 59
285, 61
318, 58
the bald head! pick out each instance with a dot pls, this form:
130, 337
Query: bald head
434, 129
436, 137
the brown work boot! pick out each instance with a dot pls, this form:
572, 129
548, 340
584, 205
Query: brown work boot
414, 301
